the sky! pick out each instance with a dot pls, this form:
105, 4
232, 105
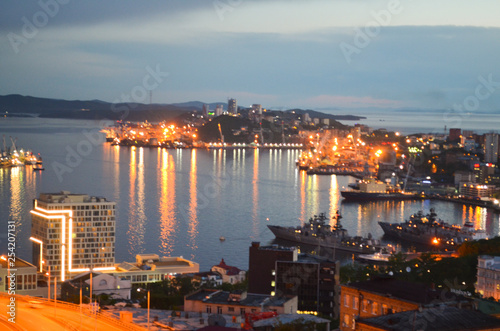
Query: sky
316, 54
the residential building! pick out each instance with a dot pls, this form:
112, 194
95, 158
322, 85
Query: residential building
219, 110
473, 190
491, 148
454, 134
115, 286
237, 303
313, 280
73, 233
25, 277
205, 110
438, 318
208, 277
257, 109
488, 276
262, 266
382, 296
232, 107
228, 273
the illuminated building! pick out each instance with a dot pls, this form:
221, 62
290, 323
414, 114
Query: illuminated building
491, 147
488, 276
25, 277
474, 190
72, 233
313, 280
388, 296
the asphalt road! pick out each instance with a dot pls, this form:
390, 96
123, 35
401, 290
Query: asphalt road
45, 317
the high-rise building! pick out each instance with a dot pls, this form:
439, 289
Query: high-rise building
262, 266
313, 280
219, 110
454, 134
73, 233
232, 106
491, 147
257, 108
205, 110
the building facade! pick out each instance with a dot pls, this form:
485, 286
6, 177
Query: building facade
73, 233
24, 280
491, 148
237, 303
381, 297
232, 106
313, 280
262, 266
229, 274
150, 268
488, 276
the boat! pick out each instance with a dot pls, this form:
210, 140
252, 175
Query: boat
370, 189
38, 168
431, 231
318, 233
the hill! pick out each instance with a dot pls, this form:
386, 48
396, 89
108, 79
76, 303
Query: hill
18, 105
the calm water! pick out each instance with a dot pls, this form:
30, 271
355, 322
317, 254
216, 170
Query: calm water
179, 202
427, 121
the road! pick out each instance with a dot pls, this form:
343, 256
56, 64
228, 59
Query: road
45, 317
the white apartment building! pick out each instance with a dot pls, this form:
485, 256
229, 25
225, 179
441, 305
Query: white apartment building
72, 233
488, 276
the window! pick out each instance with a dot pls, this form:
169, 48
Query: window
375, 308
242, 311
345, 321
355, 303
385, 309
364, 305
347, 300
230, 309
209, 309
219, 310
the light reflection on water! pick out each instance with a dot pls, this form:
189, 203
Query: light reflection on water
228, 193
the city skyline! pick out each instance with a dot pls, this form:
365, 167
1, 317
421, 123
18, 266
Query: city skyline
319, 54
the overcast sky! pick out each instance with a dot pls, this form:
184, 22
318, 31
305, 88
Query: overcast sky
428, 54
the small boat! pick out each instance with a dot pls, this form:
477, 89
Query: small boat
222, 238
38, 168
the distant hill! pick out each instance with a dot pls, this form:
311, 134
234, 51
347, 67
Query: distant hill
320, 115
199, 104
19, 105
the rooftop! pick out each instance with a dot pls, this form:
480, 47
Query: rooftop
18, 263
412, 292
289, 318
441, 318
222, 298
230, 270
273, 247
68, 197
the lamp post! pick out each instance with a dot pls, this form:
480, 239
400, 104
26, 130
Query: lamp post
148, 309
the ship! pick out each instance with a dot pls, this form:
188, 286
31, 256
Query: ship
370, 189
317, 232
431, 231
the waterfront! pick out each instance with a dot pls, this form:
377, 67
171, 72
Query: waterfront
179, 202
